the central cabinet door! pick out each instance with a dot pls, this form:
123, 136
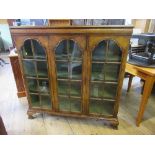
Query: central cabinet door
69, 68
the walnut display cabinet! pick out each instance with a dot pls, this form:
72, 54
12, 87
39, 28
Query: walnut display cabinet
72, 70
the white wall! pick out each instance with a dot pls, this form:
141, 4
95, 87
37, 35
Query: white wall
6, 36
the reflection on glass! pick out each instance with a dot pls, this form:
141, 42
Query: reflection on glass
110, 90
99, 52
111, 72
33, 49
35, 101
38, 50
68, 50
32, 85
64, 104
61, 51
62, 70
101, 107
75, 89
45, 102
75, 70
114, 52
27, 49
75, 105
29, 68
43, 86
63, 88
97, 90
42, 69
97, 71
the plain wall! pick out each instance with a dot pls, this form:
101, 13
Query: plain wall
5, 34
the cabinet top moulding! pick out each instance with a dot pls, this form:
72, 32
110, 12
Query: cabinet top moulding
113, 29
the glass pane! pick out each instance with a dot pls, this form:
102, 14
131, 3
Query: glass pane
46, 102
101, 107
63, 88
114, 52
75, 70
35, 100
97, 90
38, 50
95, 107
64, 104
27, 49
62, 70
107, 107
32, 85
112, 72
75, 89
61, 51
68, 50
43, 86
29, 68
110, 90
97, 71
42, 68
99, 52
74, 52
75, 105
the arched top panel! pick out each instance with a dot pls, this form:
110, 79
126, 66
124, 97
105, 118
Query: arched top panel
108, 51
68, 50
32, 48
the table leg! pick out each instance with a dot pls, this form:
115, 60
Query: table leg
130, 82
146, 93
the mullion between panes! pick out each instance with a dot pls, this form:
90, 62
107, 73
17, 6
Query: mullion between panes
36, 70
104, 67
77, 82
23, 48
69, 72
104, 62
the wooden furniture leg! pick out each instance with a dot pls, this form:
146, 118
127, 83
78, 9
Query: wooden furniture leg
146, 93
130, 82
143, 88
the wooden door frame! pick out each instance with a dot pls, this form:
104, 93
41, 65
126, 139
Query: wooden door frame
54, 41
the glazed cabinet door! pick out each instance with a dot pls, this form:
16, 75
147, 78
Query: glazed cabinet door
33, 52
68, 56
104, 59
